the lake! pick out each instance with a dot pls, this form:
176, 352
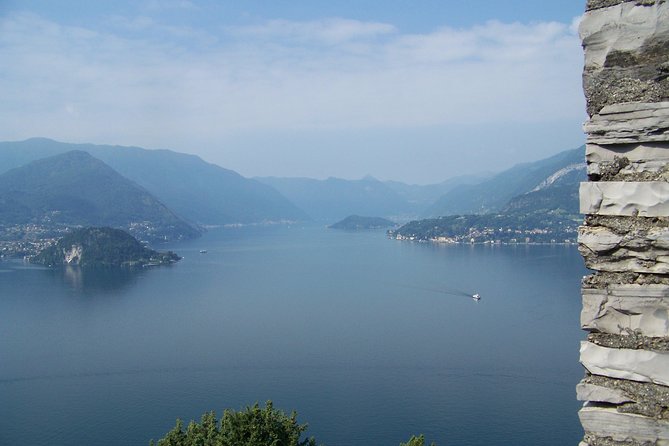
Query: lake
352, 330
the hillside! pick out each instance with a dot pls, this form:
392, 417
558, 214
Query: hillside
101, 247
490, 228
198, 191
547, 211
335, 198
493, 194
77, 189
557, 192
357, 222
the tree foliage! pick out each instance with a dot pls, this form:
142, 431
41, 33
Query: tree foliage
416, 441
253, 426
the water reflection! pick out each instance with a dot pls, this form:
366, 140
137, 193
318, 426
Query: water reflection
98, 280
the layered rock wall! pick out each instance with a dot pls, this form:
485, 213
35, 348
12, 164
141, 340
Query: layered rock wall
625, 237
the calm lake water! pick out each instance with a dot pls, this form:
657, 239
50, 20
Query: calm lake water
343, 327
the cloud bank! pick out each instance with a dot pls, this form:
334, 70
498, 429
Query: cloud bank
138, 81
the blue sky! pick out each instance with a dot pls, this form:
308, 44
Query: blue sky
417, 91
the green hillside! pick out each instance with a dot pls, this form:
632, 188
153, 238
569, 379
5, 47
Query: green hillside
77, 189
101, 247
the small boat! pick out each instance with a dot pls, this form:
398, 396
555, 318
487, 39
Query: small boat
203, 251
476, 297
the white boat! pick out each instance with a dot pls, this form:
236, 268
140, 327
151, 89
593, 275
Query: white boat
203, 251
476, 297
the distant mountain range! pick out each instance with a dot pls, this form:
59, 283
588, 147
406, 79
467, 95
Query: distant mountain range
198, 191
421, 197
495, 193
534, 202
335, 198
521, 186
183, 191
76, 189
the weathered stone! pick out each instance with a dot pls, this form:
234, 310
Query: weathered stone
599, 394
628, 162
643, 199
633, 340
636, 365
623, 225
625, 52
625, 237
629, 123
605, 421
598, 4
600, 280
641, 251
653, 397
620, 308
593, 440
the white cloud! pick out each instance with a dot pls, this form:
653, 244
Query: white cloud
331, 31
85, 84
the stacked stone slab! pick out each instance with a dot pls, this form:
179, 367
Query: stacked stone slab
625, 237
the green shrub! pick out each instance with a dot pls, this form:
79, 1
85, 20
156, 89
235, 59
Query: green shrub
253, 426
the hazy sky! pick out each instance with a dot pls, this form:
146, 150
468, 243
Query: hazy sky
412, 90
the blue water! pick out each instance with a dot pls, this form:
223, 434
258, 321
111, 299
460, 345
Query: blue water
342, 327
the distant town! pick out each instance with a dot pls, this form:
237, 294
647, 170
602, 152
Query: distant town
492, 229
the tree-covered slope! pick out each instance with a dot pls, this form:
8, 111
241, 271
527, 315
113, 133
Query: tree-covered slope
199, 191
101, 247
74, 188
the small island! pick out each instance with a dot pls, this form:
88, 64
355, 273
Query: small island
356, 222
102, 247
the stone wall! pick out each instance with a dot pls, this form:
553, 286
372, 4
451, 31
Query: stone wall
625, 237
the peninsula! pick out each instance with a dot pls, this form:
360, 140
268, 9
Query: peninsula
102, 247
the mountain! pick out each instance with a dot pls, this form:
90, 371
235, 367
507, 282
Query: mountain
335, 198
546, 212
493, 195
356, 222
101, 247
558, 192
199, 191
420, 197
76, 189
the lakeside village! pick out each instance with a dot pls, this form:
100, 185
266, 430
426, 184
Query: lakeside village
563, 235
28, 240
483, 238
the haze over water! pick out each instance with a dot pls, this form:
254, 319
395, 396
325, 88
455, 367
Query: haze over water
342, 327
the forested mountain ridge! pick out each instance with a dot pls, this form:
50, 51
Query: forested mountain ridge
201, 192
76, 189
